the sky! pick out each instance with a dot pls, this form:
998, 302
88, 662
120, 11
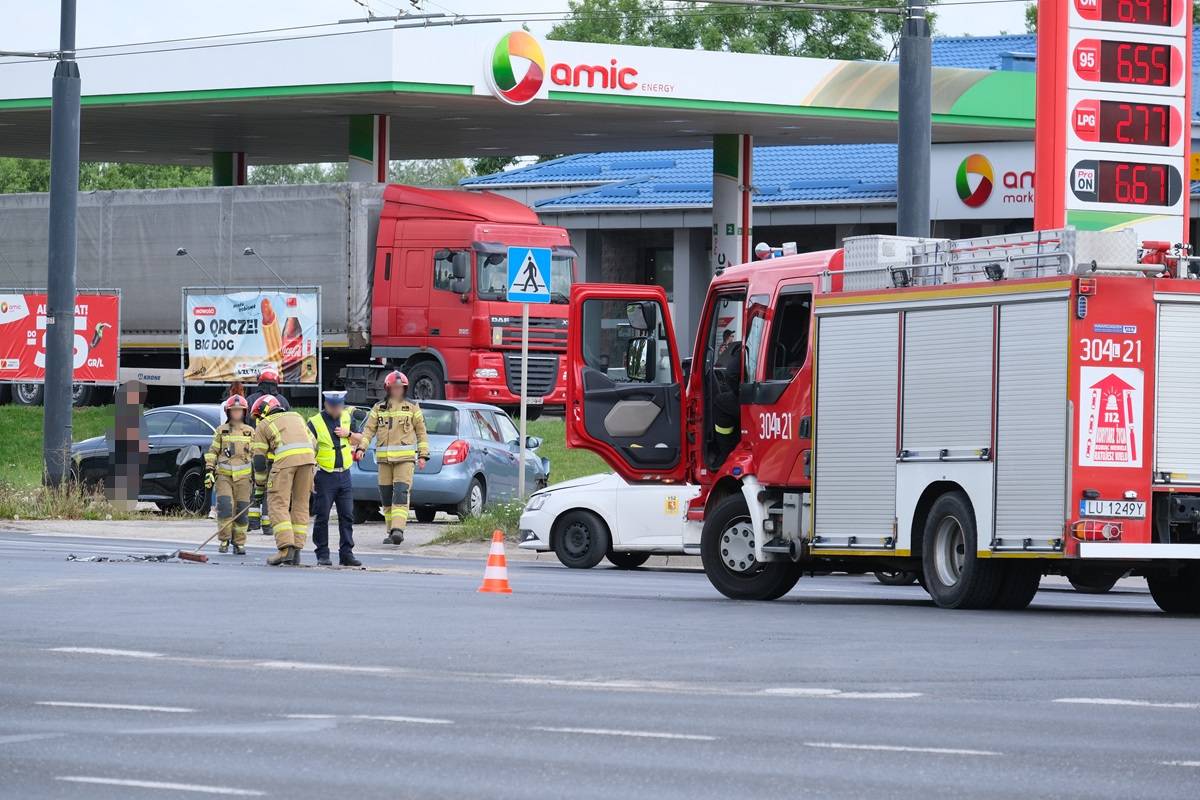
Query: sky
33, 24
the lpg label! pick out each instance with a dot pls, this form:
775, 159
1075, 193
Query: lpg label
1110, 417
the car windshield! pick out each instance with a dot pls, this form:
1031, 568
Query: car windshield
492, 272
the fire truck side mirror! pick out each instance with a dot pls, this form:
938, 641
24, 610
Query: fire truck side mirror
642, 316
460, 264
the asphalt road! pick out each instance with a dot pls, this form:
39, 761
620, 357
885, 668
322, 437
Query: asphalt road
174, 680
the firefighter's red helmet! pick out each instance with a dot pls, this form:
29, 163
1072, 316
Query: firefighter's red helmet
268, 376
234, 401
264, 405
393, 377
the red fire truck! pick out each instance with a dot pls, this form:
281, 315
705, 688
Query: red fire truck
981, 411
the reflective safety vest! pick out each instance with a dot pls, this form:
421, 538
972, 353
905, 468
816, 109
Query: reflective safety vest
326, 448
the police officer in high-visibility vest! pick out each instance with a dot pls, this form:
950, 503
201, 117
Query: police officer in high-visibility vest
332, 429
284, 435
228, 465
401, 444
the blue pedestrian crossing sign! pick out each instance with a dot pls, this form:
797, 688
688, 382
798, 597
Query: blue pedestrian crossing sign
529, 275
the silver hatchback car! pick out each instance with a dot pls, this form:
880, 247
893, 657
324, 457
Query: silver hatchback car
473, 454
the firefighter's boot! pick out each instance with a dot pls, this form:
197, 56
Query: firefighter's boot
224, 547
284, 556
295, 556
396, 537
239, 550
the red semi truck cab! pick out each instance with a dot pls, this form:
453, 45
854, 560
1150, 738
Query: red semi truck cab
438, 307
982, 412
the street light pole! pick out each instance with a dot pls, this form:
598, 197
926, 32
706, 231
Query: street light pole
60, 282
914, 122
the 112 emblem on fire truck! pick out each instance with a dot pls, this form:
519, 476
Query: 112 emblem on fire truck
1110, 417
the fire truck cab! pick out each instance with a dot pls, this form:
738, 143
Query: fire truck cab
982, 411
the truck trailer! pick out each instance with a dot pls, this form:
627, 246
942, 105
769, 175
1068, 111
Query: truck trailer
982, 412
410, 278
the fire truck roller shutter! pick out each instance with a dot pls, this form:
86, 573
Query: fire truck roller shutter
947, 412
1031, 425
856, 428
1177, 446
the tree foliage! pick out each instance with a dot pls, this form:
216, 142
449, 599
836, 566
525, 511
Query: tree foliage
33, 175
736, 28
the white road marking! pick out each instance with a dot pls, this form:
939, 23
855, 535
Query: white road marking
17, 738
892, 748
414, 720
171, 787
1116, 701
310, 716
116, 707
1180, 763
634, 734
305, 665
106, 651
805, 691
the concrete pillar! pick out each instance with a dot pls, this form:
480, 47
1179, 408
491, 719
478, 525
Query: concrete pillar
369, 148
693, 272
229, 168
732, 187
586, 242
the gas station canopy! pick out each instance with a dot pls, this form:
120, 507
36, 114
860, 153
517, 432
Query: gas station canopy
475, 91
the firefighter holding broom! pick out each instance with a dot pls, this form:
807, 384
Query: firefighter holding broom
398, 427
283, 445
227, 464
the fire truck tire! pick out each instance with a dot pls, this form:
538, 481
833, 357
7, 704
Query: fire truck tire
581, 539
1177, 594
1019, 583
727, 551
955, 576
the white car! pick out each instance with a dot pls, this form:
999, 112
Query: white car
587, 519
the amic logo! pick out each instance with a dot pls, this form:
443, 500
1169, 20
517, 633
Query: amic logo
515, 50
977, 165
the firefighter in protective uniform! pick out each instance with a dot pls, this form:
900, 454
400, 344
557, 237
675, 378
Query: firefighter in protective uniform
227, 464
284, 436
398, 427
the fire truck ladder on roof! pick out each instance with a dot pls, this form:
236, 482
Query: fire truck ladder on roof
882, 262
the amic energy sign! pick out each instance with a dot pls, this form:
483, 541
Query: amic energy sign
1113, 116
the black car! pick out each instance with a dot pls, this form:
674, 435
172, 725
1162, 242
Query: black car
173, 478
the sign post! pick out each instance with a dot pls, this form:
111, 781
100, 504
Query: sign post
528, 282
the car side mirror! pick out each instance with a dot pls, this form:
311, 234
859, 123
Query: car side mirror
533, 442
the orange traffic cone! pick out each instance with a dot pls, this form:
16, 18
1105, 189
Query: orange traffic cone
495, 574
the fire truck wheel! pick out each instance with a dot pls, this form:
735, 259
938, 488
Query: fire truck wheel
954, 575
581, 539
1019, 583
727, 550
1177, 594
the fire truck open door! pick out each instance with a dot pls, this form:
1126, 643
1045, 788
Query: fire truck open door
624, 383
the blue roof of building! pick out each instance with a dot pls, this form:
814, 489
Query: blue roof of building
793, 175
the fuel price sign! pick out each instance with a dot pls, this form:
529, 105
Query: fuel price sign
1144, 64
1143, 125
1142, 15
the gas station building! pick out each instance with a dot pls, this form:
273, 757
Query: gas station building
695, 155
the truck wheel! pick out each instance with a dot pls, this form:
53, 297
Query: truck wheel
82, 394
627, 559
955, 576
5, 394
1094, 583
1177, 594
727, 550
27, 394
426, 381
580, 539
896, 577
1018, 585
